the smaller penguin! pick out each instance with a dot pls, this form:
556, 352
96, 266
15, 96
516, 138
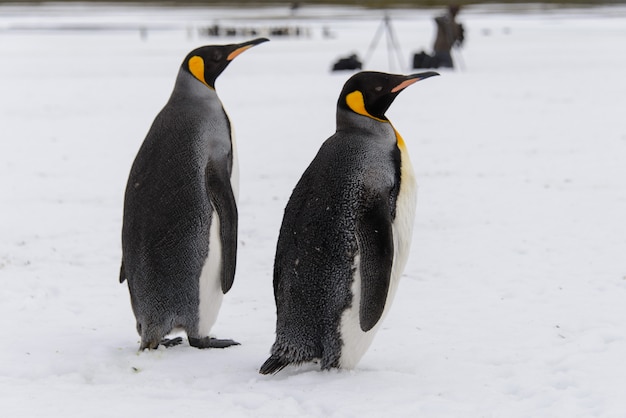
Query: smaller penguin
179, 232
346, 232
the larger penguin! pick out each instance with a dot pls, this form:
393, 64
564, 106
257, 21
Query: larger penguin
346, 232
179, 233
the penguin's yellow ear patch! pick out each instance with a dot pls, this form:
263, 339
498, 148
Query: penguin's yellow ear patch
196, 67
356, 103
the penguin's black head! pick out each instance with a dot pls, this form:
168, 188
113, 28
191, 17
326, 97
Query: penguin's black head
207, 62
370, 93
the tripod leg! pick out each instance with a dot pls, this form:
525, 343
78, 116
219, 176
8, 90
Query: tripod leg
392, 40
374, 42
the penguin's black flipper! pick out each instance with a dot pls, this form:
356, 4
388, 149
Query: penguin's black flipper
222, 198
273, 365
375, 238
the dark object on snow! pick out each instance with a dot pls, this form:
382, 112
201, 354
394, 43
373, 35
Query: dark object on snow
348, 63
437, 60
423, 60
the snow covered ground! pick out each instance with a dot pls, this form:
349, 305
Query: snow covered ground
513, 303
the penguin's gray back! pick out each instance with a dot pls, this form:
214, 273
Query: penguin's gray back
168, 215
357, 167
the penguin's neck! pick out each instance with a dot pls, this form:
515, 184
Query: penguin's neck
349, 120
188, 87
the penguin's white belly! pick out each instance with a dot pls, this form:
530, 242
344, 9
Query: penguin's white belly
355, 340
210, 289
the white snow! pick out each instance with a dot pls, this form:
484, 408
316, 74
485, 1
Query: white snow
513, 301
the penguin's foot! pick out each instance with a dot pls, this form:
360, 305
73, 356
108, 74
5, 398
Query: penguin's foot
154, 344
171, 342
210, 342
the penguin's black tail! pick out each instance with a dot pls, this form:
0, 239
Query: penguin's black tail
273, 365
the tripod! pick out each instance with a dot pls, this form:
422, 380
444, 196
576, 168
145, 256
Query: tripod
392, 43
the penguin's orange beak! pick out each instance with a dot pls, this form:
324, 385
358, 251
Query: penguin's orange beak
413, 78
245, 46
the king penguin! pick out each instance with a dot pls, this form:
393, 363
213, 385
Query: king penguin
179, 232
346, 232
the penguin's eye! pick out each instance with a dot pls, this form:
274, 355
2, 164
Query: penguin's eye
217, 56
378, 88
